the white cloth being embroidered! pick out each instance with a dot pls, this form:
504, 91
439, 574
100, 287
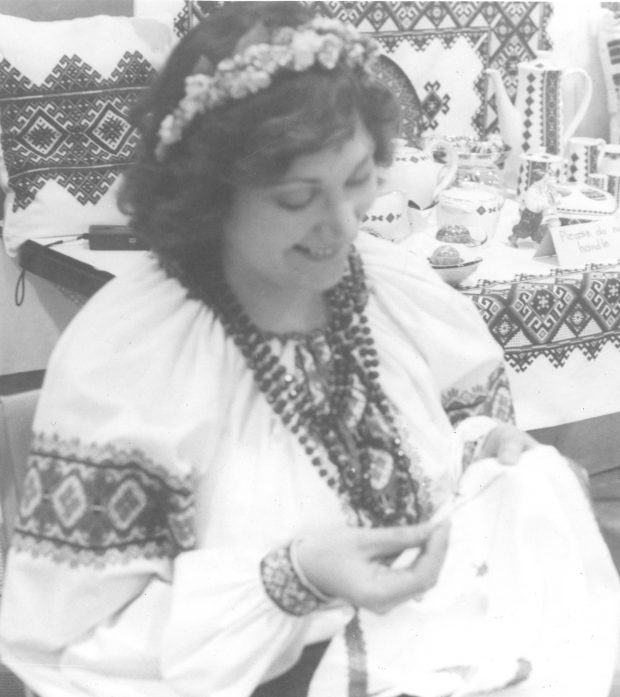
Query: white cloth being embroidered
526, 578
146, 376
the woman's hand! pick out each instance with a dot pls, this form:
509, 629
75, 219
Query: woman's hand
506, 443
353, 564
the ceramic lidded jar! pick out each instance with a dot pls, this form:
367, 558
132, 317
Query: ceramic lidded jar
476, 209
480, 162
416, 173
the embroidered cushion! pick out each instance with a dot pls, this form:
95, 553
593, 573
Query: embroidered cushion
66, 88
609, 53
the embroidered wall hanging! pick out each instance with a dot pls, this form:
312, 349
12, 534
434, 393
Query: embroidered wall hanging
393, 76
446, 69
516, 30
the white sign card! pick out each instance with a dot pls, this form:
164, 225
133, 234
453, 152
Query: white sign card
583, 243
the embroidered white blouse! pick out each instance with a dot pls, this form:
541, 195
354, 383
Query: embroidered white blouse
160, 478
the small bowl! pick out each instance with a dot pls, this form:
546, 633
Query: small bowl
457, 273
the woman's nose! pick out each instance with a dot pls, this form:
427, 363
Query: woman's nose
342, 218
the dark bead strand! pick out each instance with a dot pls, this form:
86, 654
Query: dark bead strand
349, 340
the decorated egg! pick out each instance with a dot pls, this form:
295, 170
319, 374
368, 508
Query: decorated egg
455, 234
445, 255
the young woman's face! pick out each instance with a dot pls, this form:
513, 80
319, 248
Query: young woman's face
295, 234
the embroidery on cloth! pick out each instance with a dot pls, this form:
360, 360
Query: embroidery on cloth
492, 399
284, 586
356, 658
553, 315
470, 448
73, 128
91, 505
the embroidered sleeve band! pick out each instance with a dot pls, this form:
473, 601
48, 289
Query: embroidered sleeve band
93, 504
491, 398
289, 590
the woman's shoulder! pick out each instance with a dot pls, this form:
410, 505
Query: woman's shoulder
407, 292
140, 332
408, 299
392, 266
128, 310
141, 362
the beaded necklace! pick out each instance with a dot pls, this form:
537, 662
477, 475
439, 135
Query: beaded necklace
347, 426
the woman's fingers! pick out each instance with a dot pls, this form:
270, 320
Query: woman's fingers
391, 587
424, 571
507, 443
351, 563
388, 542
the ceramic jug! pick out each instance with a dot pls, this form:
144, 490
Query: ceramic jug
535, 122
608, 161
415, 172
475, 208
582, 158
388, 217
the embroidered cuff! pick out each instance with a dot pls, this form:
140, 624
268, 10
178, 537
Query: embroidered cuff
286, 584
472, 433
471, 449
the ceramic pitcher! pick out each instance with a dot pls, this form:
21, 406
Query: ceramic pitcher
535, 122
416, 173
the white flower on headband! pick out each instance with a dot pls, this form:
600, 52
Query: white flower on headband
322, 41
330, 51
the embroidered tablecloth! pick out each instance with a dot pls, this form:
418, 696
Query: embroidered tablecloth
560, 333
559, 328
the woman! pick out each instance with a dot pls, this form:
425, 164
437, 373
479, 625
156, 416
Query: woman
241, 444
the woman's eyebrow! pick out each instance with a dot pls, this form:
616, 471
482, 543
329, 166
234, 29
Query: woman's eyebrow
314, 180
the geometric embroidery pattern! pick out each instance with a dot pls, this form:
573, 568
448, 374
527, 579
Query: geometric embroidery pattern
551, 114
91, 505
392, 76
528, 112
72, 128
516, 30
437, 98
434, 103
492, 399
283, 585
553, 315
357, 658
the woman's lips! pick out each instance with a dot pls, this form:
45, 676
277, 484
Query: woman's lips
319, 253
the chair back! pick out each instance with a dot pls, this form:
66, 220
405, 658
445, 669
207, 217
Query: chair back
16, 417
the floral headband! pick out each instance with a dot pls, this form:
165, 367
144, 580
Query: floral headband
259, 56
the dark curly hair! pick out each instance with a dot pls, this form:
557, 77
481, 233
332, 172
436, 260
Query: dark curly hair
177, 205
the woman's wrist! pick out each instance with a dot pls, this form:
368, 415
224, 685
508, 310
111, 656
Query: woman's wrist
303, 576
